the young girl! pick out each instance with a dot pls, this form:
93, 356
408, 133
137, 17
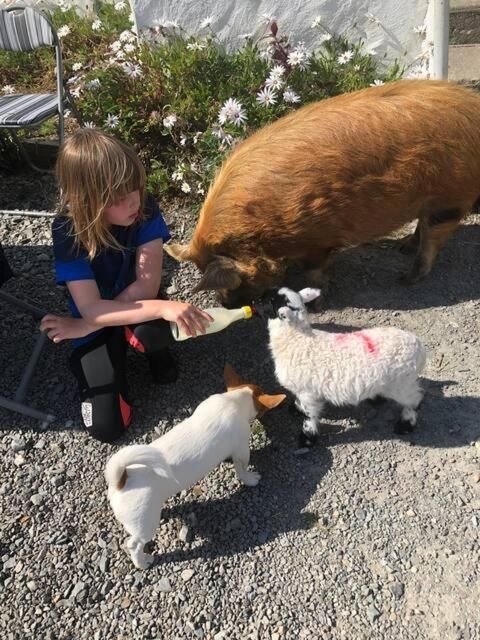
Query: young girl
108, 248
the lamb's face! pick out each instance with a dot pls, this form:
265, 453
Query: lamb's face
290, 306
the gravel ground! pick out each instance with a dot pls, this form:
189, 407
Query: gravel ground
369, 535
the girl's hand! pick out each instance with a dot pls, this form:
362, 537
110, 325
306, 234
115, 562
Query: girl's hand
188, 317
60, 328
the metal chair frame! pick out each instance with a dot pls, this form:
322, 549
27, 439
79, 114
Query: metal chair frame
62, 92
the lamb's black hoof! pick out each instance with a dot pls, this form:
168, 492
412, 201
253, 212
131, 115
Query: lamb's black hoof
403, 427
377, 400
307, 440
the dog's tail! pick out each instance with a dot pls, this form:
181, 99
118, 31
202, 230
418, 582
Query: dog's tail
116, 469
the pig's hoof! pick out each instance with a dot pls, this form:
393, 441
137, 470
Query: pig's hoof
408, 245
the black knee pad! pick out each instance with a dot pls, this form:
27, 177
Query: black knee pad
106, 418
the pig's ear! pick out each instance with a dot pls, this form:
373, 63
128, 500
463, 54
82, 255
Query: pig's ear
221, 273
179, 252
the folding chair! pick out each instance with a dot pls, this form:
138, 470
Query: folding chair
17, 403
26, 29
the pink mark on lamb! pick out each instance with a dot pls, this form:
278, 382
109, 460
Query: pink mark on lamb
367, 341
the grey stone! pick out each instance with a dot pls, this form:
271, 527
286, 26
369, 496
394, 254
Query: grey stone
396, 589
373, 613
185, 534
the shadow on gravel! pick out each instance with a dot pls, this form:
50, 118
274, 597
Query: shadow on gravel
368, 276
252, 517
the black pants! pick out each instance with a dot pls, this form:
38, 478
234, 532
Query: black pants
100, 369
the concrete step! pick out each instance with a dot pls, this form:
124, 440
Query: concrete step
464, 62
464, 5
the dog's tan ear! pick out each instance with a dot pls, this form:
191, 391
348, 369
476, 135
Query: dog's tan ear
232, 379
180, 252
270, 402
221, 273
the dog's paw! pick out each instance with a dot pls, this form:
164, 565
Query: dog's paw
142, 561
250, 478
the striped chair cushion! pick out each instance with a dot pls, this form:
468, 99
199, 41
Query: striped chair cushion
27, 109
24, 29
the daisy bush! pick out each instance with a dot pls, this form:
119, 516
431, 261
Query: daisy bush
183, 100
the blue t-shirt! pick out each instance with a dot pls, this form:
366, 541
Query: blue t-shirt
112, 269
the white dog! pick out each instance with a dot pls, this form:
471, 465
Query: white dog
142, 477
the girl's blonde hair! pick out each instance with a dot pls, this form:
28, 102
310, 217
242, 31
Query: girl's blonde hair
94, 171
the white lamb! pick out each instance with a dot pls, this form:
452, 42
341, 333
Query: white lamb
342, 368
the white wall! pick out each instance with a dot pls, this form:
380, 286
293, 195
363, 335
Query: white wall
391, 35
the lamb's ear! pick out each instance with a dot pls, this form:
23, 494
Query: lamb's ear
231, 377
180, 252
221, 273
308, 294
270, 402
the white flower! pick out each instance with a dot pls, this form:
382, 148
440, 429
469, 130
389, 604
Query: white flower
76, 66
345, 57
116, 46
274, 82
63, 31
186, 187
67, 113
299, 57
120, 5
168, 24
183, 141
196, 46
224, 137
206, 23
267, 97
267, 53
76, 92
377, 83
325, 37
129, 47
421, 30
132, 70
370, 50
196, 137
127, 36
111, 121
177, 175
317, 22
200, 189
371, 18
290, 96
89, 125
277, 71
91, 84
232, 111
97, 25
8, 89
169, 121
